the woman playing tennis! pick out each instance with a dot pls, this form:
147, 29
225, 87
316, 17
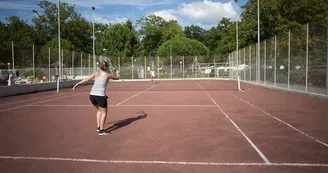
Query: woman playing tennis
98, 94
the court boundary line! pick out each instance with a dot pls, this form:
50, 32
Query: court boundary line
162, 162
265, 159
281, 121
135, 95
90, 105
32, 99
44, 101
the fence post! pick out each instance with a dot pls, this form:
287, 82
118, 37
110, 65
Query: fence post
49, 77
250, 63
183, 72
132, 67
72, 73
81, 63
245, 63
89, 65
13, 54
265, 62
275, 60
327, 66
119, 64
288, 72
33, 65
145, 72
158, 67
171, 65
307, 58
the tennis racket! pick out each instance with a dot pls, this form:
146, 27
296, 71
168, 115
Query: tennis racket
111, 67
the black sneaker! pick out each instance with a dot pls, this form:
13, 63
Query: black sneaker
103, 132
98, 129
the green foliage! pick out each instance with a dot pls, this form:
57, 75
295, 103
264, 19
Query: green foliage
38, 73
182, 46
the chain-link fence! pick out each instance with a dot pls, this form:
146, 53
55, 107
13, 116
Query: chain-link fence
295, 60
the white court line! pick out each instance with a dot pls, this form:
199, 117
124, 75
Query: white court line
118, 85
124, 105
252, 144
42, 97
161, 162
136, 95
307, 135
31, 104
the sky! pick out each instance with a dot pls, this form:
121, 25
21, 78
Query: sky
205, 13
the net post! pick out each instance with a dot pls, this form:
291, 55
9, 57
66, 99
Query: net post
307, 58
58, 81
288, 73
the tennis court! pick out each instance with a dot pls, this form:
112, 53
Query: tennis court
169, 126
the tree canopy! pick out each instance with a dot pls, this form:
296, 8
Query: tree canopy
152, 35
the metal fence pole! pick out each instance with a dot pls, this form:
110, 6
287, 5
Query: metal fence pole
327, 65
145, 72
81, 63
119, 64
288, 73
72, 73
89, 65
183, 72
49, 77
244, 63
171, 66
132, 67
250, 63
265, 62
13, 54
33, 65
158, 76
307, 58
275, 60
62, 63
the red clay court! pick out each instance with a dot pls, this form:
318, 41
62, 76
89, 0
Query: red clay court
170, 126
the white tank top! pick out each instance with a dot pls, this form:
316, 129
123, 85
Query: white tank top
99, 86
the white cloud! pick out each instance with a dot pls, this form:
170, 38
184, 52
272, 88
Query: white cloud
166, 14
17, 5
207, 12
105, 19
100, 3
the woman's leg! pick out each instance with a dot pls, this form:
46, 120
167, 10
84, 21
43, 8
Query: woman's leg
103, 116
98, 118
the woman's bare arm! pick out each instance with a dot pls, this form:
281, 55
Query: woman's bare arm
85, 80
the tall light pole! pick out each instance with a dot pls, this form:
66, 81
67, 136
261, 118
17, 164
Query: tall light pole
93, 40
59, 50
